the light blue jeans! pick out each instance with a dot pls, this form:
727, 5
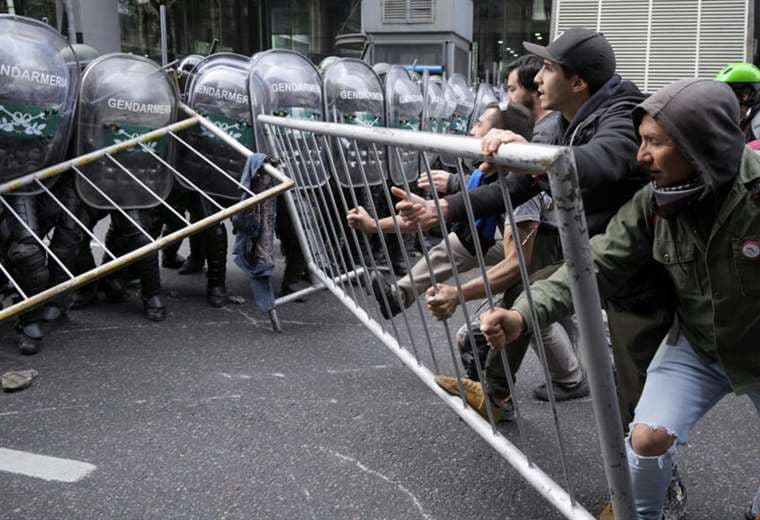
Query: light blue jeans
679, 390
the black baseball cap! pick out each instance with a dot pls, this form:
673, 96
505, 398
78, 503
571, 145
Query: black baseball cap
582, 51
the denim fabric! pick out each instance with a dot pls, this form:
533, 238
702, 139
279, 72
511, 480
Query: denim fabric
680, 388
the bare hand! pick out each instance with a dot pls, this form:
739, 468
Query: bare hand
440, 181
501, 327
442, 300
490, 144
359, 219
414, 210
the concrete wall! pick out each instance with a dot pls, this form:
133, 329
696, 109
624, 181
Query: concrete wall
98, 21
450, 16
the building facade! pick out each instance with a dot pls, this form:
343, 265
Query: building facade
656, 40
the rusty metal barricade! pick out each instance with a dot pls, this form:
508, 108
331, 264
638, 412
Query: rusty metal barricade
113, 262
339, 256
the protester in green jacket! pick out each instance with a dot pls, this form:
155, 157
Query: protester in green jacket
700, 219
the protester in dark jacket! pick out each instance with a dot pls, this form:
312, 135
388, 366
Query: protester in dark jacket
700, 219
578, 81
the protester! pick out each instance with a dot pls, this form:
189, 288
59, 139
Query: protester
699, 218
460, 241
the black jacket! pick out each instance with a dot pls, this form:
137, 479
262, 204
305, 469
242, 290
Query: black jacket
604, 143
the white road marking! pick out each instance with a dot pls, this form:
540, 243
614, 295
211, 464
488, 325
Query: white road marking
42, 466
387, 479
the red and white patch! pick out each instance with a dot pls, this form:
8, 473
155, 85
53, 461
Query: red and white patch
751, 249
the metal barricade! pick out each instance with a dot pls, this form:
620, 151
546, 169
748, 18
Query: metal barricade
115, 262
338, 256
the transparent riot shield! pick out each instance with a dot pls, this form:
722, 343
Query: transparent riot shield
218, 91
284, 83
460, 97
185, 72
354, 95
124, 96
404, 107
434, 107
486, 96
39, 81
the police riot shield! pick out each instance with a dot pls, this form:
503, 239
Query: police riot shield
354, 95
434, 107
39, 81
485, 96
124, 96
404, 106
284, 83
185, 72
218, 91
460, 102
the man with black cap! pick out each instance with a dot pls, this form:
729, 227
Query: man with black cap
593, 115
699, 218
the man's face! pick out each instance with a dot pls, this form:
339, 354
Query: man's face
666, 163
484, 123
517, 93
554, 88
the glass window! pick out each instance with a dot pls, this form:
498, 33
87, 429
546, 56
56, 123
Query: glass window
37, 9
193, 25
501, 27
310, 26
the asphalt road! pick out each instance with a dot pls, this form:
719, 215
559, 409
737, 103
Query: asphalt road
210, 415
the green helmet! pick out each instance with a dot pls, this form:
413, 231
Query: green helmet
739, 73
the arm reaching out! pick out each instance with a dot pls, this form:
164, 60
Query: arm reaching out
414, 210
501, 327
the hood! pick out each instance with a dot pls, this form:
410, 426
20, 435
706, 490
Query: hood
616, 91
701, 116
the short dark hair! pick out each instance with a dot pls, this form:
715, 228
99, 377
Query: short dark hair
527, 68
516, 118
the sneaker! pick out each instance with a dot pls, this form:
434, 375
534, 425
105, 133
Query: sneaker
473, 393
380, 287
563, 392
607, 513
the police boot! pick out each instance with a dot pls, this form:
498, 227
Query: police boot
114, 289
155, 309
216, 255
29, 338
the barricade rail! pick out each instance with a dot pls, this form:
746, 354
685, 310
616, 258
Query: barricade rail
338, 256
115, 262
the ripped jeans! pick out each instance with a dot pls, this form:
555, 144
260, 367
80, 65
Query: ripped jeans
680, 388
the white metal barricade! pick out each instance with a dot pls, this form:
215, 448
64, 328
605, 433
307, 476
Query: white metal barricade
338, 256
26, 302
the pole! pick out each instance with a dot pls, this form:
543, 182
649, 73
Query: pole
164, 36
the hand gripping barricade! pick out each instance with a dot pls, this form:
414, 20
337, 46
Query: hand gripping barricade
404, 105
402, 336
126, 137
